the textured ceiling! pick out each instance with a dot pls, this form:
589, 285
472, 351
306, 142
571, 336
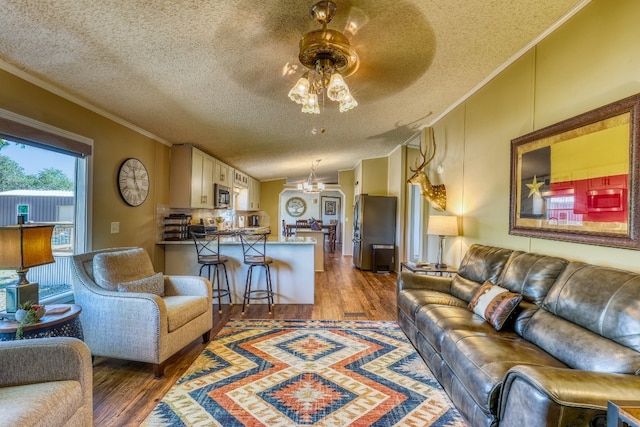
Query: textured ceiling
217, 73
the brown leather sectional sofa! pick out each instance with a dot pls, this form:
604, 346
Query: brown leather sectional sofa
571, 345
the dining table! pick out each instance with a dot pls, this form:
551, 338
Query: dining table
328, 229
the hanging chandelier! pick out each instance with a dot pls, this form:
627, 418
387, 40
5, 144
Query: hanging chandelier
311, 185
330, 58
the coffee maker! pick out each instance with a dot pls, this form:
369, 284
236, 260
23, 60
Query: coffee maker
254, 220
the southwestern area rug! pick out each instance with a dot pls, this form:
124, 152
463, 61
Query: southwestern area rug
307, 373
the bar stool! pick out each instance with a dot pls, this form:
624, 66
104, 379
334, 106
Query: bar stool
208, 248
254, 249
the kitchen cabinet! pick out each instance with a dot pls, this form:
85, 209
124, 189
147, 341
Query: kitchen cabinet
254, 194
223, 174
248, 199
190, 178
240, 179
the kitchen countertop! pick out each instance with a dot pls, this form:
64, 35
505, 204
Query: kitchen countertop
235, 240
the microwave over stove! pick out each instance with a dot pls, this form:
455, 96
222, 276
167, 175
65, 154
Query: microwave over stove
222, 197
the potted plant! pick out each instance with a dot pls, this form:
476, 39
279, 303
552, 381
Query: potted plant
26, 315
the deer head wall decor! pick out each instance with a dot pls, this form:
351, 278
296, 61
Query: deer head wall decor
435, 194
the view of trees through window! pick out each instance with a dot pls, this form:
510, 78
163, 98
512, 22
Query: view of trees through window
39, 185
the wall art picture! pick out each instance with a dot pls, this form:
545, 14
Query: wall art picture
577, 180
329, 207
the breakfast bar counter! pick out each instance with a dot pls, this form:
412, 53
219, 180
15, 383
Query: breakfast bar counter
292, 270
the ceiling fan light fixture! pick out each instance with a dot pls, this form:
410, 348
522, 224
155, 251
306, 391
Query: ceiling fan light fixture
311, 105
300, 91
348, 103
330, 58
337, 89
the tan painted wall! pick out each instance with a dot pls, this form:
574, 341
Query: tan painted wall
396, 186
590, 61
269, 196
346, 179
374, 176
113, 143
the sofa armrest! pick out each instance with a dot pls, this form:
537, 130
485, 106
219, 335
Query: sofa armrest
542, 393
187, 285
408, 280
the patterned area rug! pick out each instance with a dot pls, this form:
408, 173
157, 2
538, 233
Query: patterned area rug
307, 373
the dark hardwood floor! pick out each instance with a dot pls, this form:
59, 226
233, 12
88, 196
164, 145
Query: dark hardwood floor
125, 392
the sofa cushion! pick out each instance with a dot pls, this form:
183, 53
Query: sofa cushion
590, 319
494, 304
578, 347
411, 300
43, 404
149, 285
183, 309
603, 300
434, 321
480, 263
483, 359
531, 275
111, 268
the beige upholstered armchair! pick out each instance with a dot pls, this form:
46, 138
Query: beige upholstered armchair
46, 382
129, 312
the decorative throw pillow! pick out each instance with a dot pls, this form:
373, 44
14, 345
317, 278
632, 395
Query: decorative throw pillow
494, 304
111, 268
149, 285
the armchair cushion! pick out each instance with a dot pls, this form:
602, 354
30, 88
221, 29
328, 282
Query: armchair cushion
183, 309
49, 403
111, 268
149, 285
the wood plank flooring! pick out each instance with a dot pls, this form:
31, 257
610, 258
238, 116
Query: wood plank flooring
126, 392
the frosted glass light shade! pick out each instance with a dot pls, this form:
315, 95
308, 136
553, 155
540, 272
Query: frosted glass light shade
348, 103
311, 105
338, 89
300, 91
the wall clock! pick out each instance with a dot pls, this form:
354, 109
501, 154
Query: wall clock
133, 182
296, 206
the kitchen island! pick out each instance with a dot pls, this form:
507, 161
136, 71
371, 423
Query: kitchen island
292, 270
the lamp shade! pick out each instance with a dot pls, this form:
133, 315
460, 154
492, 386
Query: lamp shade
25, 246
443, 225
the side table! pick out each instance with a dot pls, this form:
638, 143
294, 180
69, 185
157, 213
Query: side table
428, 269
65, 324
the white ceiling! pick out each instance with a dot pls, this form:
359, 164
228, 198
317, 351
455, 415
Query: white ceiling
217, 73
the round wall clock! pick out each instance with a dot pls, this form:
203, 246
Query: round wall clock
296, 206
133, 182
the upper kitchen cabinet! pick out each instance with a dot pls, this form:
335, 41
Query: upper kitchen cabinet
240, 179
191, 178
248, 199
254, 194
223, 174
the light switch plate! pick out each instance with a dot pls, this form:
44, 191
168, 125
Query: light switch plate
115, 227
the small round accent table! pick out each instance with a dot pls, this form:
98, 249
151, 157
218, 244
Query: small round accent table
52, 324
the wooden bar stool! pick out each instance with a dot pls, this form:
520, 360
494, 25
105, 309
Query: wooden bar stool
208, 248
254, 249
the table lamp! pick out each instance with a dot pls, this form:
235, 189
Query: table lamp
23, 247
442, 226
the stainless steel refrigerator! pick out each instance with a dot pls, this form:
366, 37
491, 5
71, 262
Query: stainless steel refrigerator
374, 223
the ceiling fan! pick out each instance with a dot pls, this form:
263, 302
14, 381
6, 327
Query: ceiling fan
329, 57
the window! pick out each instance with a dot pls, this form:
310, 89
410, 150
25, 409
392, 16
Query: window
417, 237
43, 178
